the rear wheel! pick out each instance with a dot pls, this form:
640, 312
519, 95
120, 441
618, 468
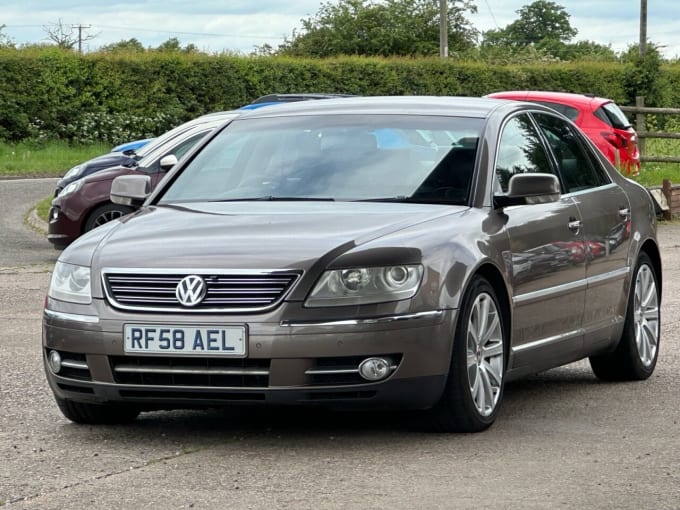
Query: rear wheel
635, 356
97, 414
104, 214
474, 388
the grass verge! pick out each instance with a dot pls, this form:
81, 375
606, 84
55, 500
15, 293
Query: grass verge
42, 208
44, 159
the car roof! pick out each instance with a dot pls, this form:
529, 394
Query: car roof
568, 98
288, 98
412, 105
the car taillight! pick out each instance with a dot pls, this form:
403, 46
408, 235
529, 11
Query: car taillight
615, 139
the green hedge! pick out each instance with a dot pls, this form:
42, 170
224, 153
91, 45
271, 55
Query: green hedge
50, 93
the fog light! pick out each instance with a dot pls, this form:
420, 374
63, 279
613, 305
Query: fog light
54, 361
375, 369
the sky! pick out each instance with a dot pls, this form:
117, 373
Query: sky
241, 25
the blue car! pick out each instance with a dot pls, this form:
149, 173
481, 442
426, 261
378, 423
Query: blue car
131, 146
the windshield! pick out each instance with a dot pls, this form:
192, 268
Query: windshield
335, 157
163, 139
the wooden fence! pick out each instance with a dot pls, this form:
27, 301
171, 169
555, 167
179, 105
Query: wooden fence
640, 111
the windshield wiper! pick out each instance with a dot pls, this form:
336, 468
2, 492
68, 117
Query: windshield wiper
272, 198
412, 200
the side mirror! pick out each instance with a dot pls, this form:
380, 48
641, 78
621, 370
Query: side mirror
130, 190
530, 188
167, 162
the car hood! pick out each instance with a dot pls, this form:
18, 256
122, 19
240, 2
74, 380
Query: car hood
251, 235
97, 164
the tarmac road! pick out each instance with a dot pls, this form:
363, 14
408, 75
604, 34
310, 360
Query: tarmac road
562, 440
20, 246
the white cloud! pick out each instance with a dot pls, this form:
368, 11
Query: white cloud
239, 25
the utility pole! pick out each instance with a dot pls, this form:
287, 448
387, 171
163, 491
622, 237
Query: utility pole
80, 35
443, 29
643, 27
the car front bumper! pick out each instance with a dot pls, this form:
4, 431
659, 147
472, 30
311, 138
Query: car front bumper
287, 363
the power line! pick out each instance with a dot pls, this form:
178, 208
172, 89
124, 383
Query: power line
491, 12
208, 34
156, 31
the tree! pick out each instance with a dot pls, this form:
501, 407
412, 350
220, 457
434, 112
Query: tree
173, 45
67, 37
129, 45
5, 41
542, 22
643, 75
390, 27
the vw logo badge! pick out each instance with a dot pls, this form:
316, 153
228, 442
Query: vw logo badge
191, 290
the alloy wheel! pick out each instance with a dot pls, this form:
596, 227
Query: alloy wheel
646, 315
485, 354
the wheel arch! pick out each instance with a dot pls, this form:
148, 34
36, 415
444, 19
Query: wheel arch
494, 276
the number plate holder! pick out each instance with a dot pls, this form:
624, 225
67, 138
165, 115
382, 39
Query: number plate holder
217, 340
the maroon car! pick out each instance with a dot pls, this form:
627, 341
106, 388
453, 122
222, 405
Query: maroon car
85, 204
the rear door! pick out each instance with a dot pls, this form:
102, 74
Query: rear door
605, 214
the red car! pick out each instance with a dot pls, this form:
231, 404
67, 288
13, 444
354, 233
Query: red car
599, 118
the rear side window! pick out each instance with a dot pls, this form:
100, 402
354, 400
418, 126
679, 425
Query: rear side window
568, 111
612, 115
520, 151
577, 168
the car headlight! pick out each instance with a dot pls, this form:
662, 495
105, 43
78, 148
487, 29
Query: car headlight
73, 172
364, 285
70, 283
71, 188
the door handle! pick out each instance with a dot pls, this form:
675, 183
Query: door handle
624, 212
574, 225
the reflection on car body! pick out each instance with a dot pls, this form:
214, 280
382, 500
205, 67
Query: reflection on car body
296, 257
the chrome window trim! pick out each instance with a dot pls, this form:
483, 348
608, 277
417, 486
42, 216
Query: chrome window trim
370, 320
72, 317
198, 271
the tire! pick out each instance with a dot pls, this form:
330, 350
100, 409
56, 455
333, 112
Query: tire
474, 388
97, 414
104, 214
636, 354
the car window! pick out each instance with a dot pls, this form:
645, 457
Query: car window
152, 164
568, 111
614, 115
520, 150
577, 169
339, 157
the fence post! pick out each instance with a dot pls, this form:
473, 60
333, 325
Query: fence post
640, 123
667, 190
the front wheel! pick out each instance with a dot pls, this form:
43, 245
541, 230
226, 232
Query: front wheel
637, 352
104, 214
474, 388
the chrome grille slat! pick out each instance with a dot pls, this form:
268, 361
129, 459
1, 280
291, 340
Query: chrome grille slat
235, 291
141, 369
160, 290
209, 372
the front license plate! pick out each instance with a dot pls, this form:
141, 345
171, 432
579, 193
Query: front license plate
161, 339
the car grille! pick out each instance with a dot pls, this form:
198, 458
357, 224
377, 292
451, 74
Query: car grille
207, 372
237, 292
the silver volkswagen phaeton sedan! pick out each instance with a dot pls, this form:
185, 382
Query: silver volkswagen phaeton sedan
411, 252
